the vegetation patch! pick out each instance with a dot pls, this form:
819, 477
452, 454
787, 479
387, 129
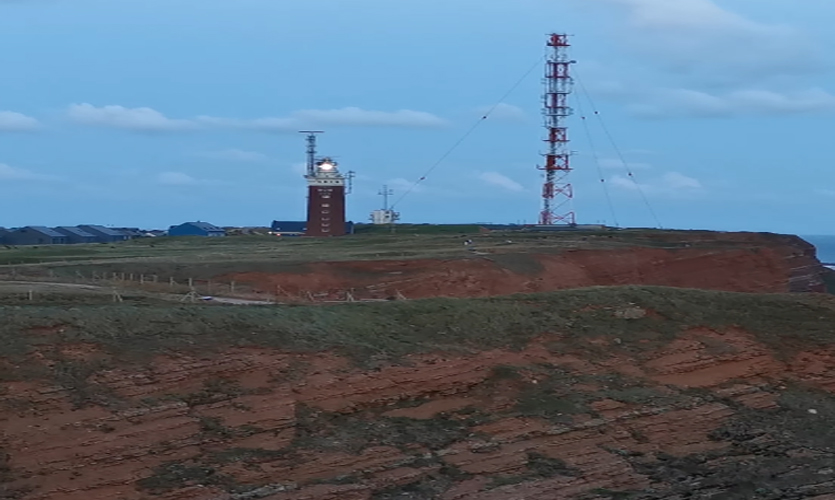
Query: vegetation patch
246, 455
214, 390
519, 263
633, 391
380, 333
548, 392
537, 466
431, 486
615, 494
74, 376
772, 454
354, 433
177, 475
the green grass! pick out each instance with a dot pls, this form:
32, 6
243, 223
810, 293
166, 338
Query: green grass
537, 466
381, 332
204, 258
177, 475
354, 433
362, 229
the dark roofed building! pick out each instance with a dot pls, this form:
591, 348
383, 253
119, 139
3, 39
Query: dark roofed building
299, 228
196, 229
76, 234
131, 232
103, 234
35, 235
289, 228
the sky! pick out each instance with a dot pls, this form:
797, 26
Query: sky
154, 112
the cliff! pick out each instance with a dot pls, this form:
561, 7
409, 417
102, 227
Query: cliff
625, 392
491, 266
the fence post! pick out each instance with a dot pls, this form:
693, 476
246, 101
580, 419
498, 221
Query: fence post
232, 287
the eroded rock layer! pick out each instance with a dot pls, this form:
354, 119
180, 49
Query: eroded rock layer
742, 262
622, 393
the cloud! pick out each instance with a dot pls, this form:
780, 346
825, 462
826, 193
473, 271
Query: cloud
614, 163
120, 117
685, 14
502, 181
357, 117
694, 103
150, 120
671, 183
9, 173
502, 112
17, 122
698, 35
236, 155
176, 179
678, 181
262, 124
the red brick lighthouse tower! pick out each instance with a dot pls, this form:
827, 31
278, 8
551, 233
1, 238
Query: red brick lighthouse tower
326, 194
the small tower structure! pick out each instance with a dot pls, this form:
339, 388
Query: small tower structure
385, 215
325, 194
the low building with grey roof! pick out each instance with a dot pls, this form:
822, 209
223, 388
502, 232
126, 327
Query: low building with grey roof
76, 234
104, 234
35, 235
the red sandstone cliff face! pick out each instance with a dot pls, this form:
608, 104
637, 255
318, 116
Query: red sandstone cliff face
711, 412
592, 408
736, 262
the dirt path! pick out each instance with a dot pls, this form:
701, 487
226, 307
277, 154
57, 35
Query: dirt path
53, 287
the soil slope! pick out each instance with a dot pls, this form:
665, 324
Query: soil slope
631, 393
744, 262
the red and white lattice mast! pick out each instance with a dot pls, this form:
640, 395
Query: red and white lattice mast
557, 193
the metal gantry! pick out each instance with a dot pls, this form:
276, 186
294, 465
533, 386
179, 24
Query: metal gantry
557, 191
311, 149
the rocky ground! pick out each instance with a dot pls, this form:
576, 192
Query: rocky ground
493, 265
629, 393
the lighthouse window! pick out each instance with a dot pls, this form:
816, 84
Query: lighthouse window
326, 205
326, 211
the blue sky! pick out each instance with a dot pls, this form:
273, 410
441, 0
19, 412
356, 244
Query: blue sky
153, 112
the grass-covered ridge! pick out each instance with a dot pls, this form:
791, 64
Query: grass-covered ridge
387, 331
206, 257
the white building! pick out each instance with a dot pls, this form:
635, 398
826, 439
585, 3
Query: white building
384, 217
